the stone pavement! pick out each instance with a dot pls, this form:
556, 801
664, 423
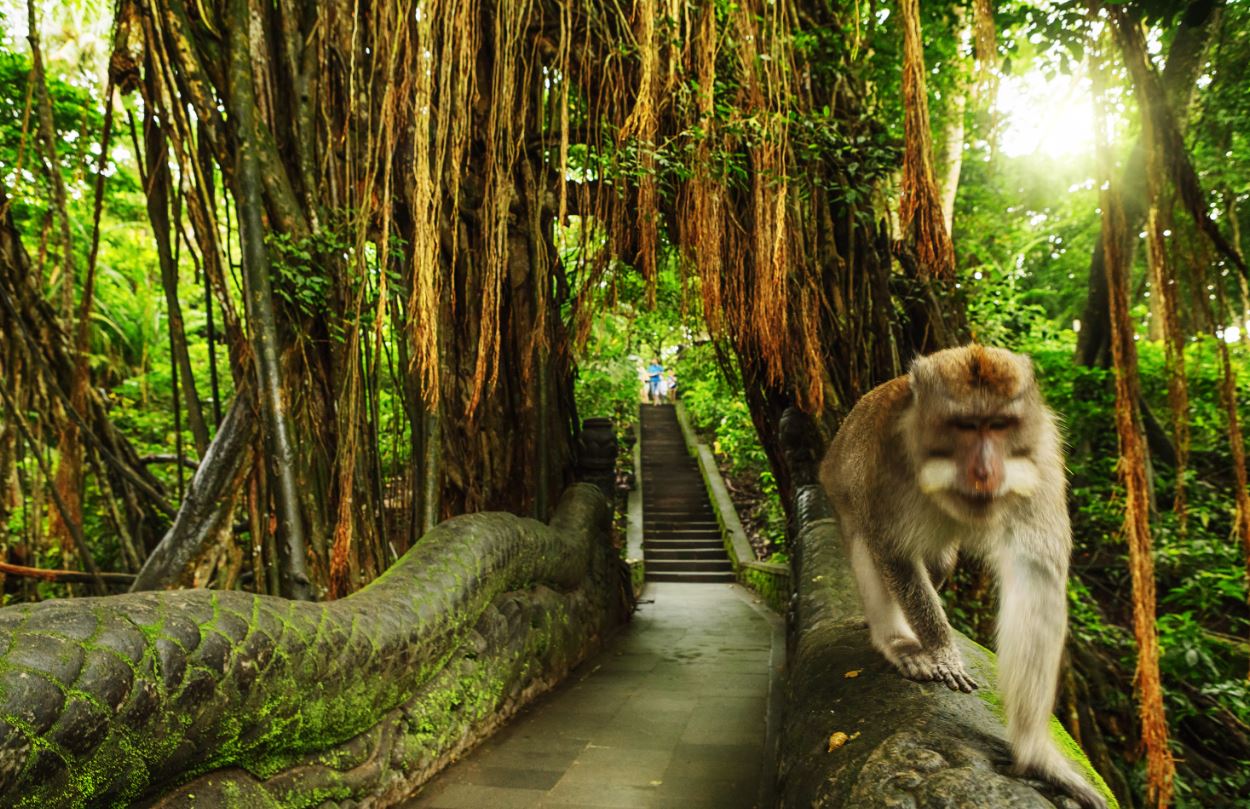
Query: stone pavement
674, 713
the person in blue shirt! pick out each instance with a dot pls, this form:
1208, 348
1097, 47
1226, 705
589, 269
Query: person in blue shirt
654, 371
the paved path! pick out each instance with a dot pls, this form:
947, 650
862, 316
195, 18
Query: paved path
673, 714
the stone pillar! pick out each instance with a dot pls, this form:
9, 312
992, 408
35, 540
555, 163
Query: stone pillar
596, 455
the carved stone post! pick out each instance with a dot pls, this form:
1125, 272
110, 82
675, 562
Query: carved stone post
596, 455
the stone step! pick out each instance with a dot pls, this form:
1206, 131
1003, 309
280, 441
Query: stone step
676, 505
660, 554
682, 539
668, 527
689, 566
688, 510
665, 509
690, 577
683, 533
681, 545
662, 544
678, 518
658, 492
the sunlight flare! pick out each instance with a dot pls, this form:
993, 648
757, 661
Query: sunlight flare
1047, 115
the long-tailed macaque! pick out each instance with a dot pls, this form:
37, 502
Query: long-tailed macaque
963, 453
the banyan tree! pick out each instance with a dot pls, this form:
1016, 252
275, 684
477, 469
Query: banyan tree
417, 203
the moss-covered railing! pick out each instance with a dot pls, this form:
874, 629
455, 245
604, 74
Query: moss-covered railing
230, 699
768, 579
853, 732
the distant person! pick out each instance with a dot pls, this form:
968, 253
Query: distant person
655, 373
670, 386
663, 389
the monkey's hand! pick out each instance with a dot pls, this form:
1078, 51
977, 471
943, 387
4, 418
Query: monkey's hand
943, 665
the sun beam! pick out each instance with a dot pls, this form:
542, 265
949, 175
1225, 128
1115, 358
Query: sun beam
1047, 115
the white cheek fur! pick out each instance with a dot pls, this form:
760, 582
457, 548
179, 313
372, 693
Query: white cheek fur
1021, 476
937, 474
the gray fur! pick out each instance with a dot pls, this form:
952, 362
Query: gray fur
903, 542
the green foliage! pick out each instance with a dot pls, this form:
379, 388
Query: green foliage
1200, 572
718, 410
1024, 231
608, 384
302, 278
627, 333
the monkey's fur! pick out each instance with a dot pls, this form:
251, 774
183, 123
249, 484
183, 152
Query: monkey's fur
963, 453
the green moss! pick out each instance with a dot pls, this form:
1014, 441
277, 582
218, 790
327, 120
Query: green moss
332, 673
773, 588
988, 671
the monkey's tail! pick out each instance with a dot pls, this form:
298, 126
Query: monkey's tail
1032, 624
1056, 769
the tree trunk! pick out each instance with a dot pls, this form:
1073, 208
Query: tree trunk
338, 157
1185, 57
207, 511
848, 319
259, 296
158, 187
954, 158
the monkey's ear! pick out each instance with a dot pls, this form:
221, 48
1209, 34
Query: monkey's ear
921, 374
1025, 363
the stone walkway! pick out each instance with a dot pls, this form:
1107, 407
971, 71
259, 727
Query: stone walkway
675, 713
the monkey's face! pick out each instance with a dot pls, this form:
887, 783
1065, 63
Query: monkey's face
974, 430
972, 464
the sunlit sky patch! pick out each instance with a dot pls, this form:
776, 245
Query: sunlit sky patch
1052, 116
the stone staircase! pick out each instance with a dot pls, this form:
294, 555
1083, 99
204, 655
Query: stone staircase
681, 538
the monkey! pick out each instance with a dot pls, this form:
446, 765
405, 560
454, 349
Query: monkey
961, 453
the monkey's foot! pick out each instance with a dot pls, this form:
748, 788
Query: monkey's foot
944, 666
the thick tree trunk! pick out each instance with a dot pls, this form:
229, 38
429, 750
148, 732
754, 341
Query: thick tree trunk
207, 511
259, 296
352, 163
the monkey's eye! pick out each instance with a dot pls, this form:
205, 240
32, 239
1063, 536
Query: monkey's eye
1000, 424
964, 425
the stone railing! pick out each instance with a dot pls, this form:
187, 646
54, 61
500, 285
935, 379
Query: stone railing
856, 734
229, 699
769, 580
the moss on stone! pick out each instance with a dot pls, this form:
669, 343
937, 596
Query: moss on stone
221, 679
772, 587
